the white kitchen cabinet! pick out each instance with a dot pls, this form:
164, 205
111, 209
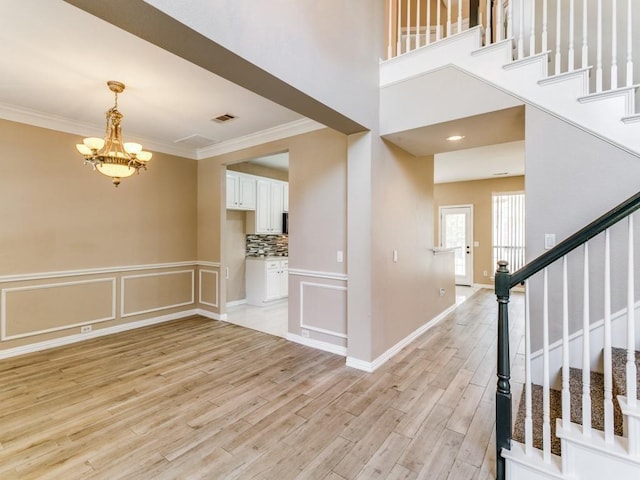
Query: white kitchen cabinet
267, 280
241, 191
269, 206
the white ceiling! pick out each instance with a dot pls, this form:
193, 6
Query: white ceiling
493, 161
56, 60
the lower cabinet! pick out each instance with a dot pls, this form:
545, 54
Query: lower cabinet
267, 280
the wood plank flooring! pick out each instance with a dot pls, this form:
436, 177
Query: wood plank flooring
197, 398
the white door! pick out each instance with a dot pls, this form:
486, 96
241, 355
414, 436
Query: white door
456, 231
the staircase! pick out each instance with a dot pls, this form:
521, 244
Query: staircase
575, 60
523, 64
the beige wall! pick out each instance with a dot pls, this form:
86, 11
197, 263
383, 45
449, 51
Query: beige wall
59, 216
317, 214
405, 294
259, 170
477, 193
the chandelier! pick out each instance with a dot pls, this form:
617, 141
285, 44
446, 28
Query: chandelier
109, 155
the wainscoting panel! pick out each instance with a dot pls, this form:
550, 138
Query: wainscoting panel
36, 309
208, 287
323, 308
151, 292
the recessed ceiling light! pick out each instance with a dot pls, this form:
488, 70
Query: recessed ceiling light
455, 138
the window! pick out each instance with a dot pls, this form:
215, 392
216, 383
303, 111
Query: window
508, 229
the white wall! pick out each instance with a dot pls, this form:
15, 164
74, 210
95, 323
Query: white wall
328, 49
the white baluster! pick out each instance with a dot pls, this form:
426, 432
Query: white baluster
499, 21
459, 16
439, 20
528, 422
399, 33
632, 387
390, 30
629, 44
599, 48
532, 34
585, 36
545, 26
608, 375
487, 35
408, 41
428, 26
510, 20
614, 44
448, 18
586, 351
546, 402
418, 42
572, 28
566, 390
521, 31
558, 37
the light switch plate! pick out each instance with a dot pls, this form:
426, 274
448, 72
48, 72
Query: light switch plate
549, 240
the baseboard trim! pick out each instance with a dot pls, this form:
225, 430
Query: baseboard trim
317, 344
210, 315
371, 367
62, 341
235, 303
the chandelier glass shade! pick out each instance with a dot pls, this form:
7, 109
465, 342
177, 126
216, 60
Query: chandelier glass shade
110, 155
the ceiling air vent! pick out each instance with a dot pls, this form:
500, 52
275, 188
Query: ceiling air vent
225, 117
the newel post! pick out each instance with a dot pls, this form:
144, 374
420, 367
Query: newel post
503, 393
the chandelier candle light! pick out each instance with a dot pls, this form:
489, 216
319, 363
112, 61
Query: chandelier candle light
110, 156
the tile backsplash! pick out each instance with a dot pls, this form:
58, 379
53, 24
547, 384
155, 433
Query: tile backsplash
267, 245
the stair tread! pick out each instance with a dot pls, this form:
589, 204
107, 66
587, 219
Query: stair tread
618, 363
555, 409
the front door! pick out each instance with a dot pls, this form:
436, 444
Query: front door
456, 231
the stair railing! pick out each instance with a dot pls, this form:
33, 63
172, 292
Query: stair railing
576, 34
505, 281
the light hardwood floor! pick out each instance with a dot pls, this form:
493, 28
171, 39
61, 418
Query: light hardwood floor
197, 398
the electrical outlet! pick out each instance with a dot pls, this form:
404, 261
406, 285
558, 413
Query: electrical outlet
485, 273
340, 256
86, 329
442, 292
304, 333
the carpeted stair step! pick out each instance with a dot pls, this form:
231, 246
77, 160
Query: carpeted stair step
619, 370
555, 397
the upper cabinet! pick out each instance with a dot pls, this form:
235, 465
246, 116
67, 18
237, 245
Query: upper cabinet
269, 206
241, 191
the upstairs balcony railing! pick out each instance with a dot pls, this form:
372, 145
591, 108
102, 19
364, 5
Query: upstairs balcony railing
577, 34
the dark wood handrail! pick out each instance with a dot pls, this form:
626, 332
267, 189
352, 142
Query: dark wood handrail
583, 235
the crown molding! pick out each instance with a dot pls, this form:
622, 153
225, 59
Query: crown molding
75, 127
290, 129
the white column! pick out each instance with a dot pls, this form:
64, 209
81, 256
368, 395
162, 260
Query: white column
632, 387
390, 30
585, 35
599, 48
608, 372
586, 350
399, 32
614, 44
418, 41
528, 422
448, 18
566, 390
545, 26
558, 38
572, 53
521, 31
629, 45
408, 41
546, 401
532, 34
428, 27
487, 35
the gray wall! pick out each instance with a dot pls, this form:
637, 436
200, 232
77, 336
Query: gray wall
571, 179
